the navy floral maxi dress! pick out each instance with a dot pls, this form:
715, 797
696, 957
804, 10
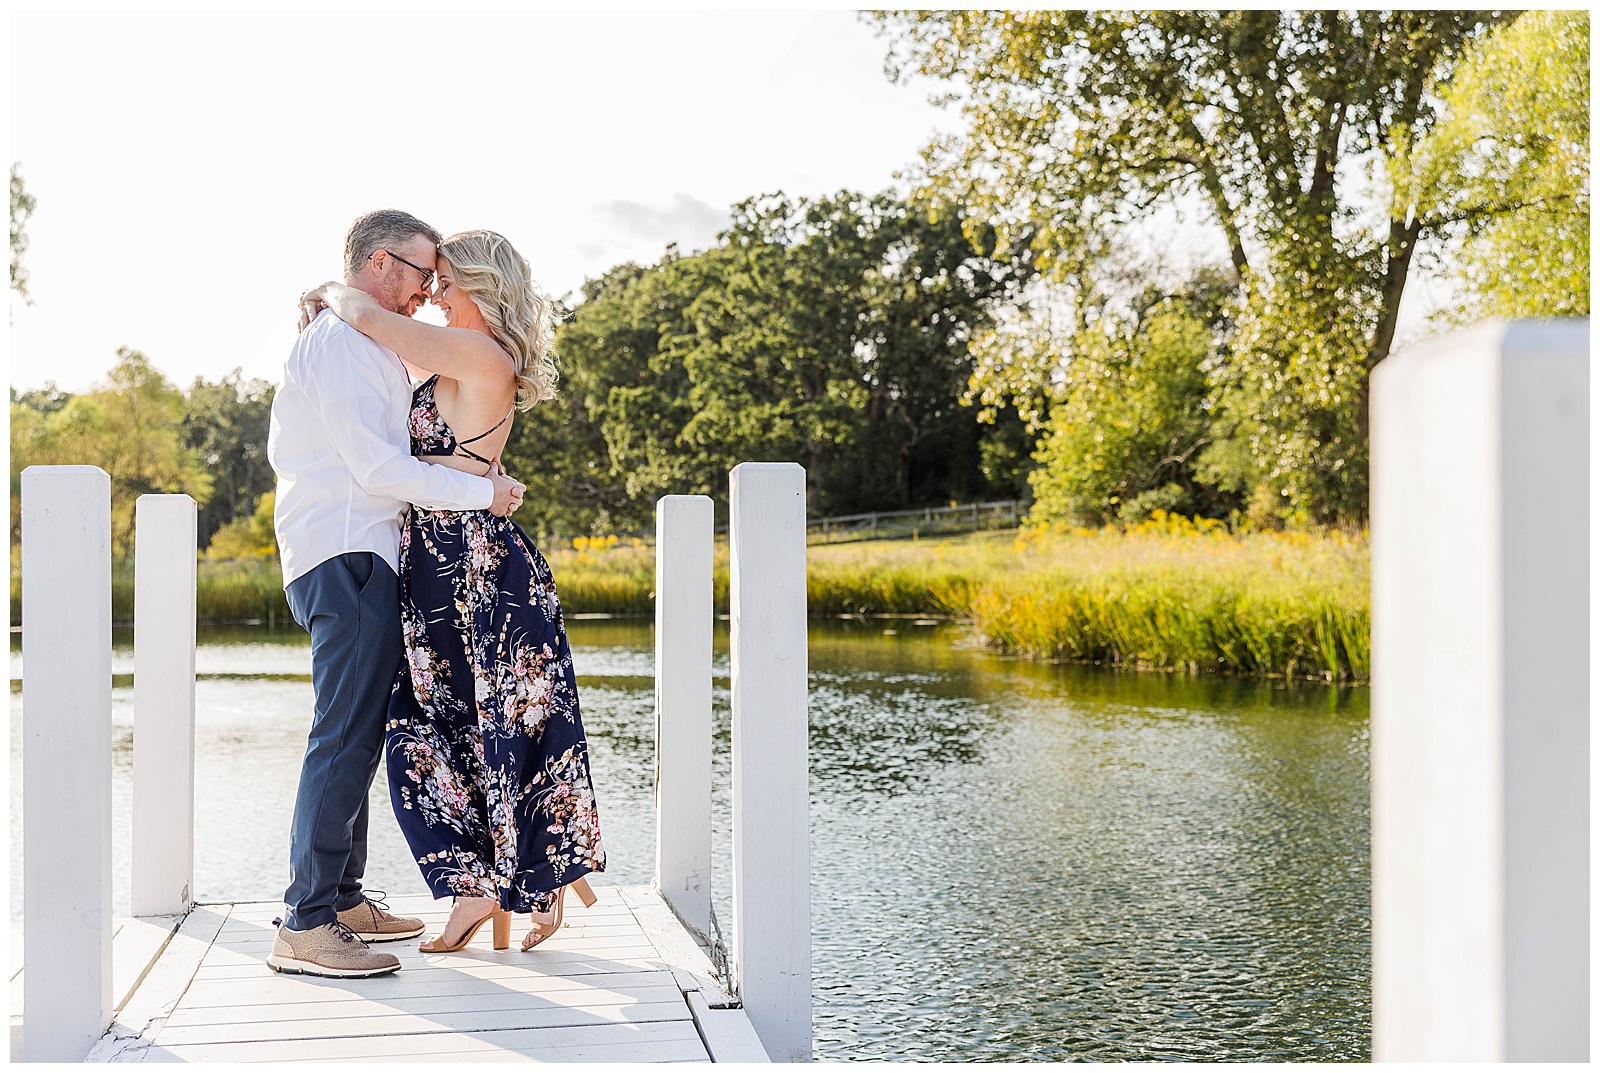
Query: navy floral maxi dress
488, 767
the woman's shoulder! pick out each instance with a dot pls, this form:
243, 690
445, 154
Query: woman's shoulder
490, 345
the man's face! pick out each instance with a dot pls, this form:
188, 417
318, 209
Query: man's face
403, 288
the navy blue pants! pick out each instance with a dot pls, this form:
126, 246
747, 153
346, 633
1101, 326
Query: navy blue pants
350, 604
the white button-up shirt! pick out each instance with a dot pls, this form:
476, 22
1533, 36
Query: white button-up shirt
340, 443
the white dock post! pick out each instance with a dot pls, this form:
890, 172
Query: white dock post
771, 850
66, 760
163, 705
1480, 702
683, 707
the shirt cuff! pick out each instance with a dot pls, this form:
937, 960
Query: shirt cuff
482, 496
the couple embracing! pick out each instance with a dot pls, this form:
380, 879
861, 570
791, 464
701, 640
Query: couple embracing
436, 632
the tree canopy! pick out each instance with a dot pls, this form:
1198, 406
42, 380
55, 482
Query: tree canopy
1286, 126
1081, 121
1508, 164
130, 425
1126, 437
225, 423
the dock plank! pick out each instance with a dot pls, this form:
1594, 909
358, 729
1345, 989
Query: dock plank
396, 1023
162, 987
611, 986
673, 1041
319, 1007
397, 987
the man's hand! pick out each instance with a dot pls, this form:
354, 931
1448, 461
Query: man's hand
507, 492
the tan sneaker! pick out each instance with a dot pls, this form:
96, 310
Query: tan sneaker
329, 950
373, 923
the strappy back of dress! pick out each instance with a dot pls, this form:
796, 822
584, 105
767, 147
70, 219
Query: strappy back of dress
432, 435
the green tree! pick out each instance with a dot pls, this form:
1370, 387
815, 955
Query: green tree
579, 483
26, 435
225, 423
22, 206
634, 339
1079, 123
131, 426
250, 535
1290, 392
769, 364
46, 400
1509, 164
840, 337
831, 331
1126, 436
930, 294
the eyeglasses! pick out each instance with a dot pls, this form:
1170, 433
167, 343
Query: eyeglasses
427, 273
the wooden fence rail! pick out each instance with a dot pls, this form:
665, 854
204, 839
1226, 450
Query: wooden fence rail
873, 525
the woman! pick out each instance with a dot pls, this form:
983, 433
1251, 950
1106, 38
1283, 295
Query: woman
488, 767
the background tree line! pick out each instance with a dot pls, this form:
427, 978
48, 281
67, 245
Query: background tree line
210, 442
984, 332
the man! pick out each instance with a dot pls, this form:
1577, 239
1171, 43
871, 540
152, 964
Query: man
340, 445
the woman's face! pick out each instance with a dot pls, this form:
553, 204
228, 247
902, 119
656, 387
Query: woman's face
460, 311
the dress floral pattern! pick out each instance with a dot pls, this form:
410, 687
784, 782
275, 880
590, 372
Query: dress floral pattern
488, 766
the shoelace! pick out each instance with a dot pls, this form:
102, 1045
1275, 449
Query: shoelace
341, 930
376, 897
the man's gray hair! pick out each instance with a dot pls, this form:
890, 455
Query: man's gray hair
378, 230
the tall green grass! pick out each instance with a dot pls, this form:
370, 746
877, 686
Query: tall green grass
1197, 625
604, 575
1167, 594
228, 590
236, 590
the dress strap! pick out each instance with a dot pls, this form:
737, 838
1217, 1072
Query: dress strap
481, 435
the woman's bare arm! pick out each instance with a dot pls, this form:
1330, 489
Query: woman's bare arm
458, 353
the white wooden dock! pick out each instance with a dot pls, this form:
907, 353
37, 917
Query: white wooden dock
625, 981
622, 982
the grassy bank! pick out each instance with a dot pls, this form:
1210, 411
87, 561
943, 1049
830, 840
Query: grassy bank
1165, 594
1162, 595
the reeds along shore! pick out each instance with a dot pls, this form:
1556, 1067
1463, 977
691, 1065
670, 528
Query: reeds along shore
1168, 594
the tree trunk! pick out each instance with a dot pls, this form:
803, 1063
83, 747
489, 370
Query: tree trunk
1402, 244
1212, 181
815, 458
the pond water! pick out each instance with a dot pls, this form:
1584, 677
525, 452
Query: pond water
1010, 861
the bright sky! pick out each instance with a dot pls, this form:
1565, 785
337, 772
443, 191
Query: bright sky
196, 172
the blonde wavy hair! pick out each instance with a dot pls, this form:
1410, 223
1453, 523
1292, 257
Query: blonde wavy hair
520, 315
